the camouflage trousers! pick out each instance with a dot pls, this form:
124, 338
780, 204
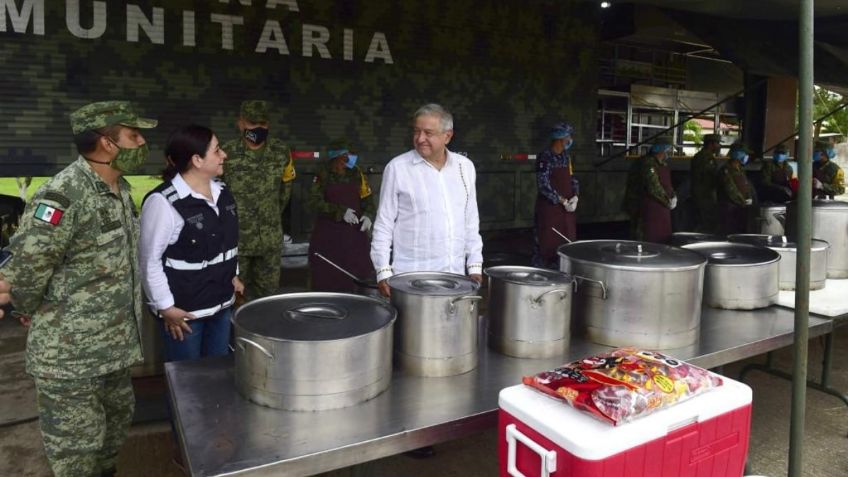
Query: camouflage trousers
260, 274
84, 422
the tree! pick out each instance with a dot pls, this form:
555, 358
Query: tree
825, 102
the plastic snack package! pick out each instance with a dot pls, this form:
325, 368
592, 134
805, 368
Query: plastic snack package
624, 384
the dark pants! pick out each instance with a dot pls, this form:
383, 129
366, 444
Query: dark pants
209, 337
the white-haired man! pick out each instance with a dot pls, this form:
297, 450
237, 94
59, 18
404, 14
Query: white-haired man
427, 219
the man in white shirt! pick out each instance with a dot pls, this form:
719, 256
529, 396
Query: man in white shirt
427, 219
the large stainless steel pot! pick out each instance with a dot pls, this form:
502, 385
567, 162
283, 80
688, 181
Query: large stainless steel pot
436, 333
313, 351
529, 312
788, 251
772, 219
679, 239
635, 293
829, 223
739, 276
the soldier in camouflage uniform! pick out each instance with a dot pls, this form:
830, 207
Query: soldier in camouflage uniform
649, 197
735, 192
75, 273
702, 177
259, 172
776, 176
345, 209
828, 178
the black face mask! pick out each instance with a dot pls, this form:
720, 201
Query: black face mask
256, 135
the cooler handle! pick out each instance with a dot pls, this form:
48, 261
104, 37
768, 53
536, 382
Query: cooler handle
548, 456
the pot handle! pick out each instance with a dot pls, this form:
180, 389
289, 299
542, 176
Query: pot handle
781, 218
598, 282
255, 345
563, 292
452, 308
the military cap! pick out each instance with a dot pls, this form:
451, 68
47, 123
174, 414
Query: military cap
255, 111
822, 145
339, 147
712, 138
108, 113
781, 148
561, 130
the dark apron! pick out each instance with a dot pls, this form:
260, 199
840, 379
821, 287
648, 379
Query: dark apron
341, 242
780, 177
655, 216
735, 216
818, 173
554, 215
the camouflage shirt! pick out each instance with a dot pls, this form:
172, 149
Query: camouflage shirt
260, 181
326, 176
703, 177
651, 179
769, 171
831, 177
75, 272
734, 183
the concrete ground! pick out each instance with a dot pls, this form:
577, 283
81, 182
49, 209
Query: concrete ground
149, 449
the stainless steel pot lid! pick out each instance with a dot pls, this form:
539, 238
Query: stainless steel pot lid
775, 241
729, 253
532, 276
624, 254
772, 206
313, 316
683, 238
823, 204
433, 283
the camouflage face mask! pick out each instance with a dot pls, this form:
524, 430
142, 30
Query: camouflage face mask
130, 160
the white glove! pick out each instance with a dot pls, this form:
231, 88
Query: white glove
817, 185
350, 217
570, 204
366, 224
749, 201
672, 203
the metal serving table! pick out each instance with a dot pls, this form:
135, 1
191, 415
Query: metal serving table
222, 433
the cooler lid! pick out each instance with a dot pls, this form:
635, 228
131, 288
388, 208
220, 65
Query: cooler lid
774, 242
532, 276
314, 316
730, 253
589, 438
631, 255
433, 284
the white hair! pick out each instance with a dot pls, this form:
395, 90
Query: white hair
433, 109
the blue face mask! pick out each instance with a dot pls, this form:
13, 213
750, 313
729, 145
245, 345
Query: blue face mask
744, 160
351, 160
567, 143
780, 157
831, 153
817, 155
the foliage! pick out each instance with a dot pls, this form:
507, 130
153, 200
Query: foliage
825, 102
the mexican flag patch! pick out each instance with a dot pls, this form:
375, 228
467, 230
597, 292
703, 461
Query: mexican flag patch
48, 214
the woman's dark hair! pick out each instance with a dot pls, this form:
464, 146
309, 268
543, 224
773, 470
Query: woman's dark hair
182, 144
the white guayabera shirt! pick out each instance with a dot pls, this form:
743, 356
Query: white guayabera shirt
427, 220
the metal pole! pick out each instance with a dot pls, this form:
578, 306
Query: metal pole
802, 271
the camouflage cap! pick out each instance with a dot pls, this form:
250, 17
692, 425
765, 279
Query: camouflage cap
739, 146
781, 148
661, 144
561, 130
108, 113
255, 111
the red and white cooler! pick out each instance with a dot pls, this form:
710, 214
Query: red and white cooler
706, 436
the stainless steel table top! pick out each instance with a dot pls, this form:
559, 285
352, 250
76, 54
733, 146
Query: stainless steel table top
223, 434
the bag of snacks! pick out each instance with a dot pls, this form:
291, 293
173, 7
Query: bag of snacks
624, 384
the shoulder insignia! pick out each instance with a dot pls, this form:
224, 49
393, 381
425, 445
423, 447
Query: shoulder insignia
58, 198
49, 214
